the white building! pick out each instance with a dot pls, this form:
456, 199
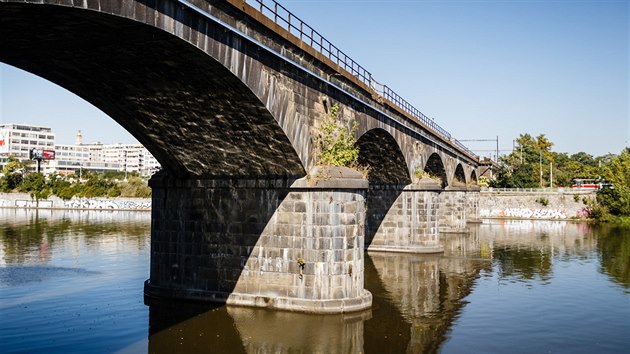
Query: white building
131, 157
19, 139
98, 157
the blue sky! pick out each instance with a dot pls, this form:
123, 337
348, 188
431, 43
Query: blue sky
482, 69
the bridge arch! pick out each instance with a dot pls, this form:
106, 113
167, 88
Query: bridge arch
380, 153
186, 107
435, 168
460, 176
473, 177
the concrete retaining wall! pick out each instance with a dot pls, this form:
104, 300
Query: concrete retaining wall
561, 204
23, 200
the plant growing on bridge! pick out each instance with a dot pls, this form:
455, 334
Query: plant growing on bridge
337, 144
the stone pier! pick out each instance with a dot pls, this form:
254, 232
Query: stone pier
404, 218
291, 245
472, 204
453, 210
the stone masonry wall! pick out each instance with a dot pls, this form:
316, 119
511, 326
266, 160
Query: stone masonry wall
472, 206
402, 220
24, 200
565, 204
453, 209
258, 243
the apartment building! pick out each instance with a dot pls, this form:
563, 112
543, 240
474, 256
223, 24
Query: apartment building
19, 139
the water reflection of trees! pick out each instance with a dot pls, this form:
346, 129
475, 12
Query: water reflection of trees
30, 235
614, 253
526, 250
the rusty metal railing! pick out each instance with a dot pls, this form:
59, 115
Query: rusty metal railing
287, 20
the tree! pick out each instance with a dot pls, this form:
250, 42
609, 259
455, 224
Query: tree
521, 168
617, 172
13, 172
35, 184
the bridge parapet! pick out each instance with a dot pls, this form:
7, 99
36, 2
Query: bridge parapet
286, 21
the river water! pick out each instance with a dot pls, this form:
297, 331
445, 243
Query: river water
71, 282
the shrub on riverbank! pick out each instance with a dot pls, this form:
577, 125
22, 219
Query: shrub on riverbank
90, 185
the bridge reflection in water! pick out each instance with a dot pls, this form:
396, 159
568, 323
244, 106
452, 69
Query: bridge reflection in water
420, 301
416, 297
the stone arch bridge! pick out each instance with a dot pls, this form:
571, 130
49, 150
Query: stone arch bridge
230, 98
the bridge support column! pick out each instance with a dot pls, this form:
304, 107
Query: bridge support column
453, 210
403, 218
472, 205
265, 243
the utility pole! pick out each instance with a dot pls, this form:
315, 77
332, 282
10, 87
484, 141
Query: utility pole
497, 148
551, 174
540, 164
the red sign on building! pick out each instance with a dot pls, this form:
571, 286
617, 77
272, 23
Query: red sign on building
48, 154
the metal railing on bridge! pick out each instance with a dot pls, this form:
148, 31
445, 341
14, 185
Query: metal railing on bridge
539, 190
287, 20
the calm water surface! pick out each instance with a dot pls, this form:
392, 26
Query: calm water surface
71, 282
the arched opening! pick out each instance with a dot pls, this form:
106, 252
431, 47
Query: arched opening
460, 176
380, 153
388, 174
435, 168
473, 178
196, 117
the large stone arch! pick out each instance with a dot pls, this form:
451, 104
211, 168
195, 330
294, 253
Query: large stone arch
380, 153
188, 108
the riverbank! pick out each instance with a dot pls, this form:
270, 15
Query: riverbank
24, 200
493, 204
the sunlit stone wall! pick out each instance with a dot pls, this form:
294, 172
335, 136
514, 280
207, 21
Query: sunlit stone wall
403, 219
260, 243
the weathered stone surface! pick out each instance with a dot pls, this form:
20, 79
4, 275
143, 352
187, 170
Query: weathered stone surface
266, 246
402, 220
453, 210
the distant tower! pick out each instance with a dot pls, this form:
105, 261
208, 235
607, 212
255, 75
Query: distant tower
79, 140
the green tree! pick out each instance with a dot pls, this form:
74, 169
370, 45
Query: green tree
35, 184
13, 172
617, 172
521, 168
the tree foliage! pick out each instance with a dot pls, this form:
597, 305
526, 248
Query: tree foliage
533, 164
90, 185
616, 171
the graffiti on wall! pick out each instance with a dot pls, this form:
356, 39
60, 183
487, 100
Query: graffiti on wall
85, 203
33, 204
78, 203
525, 213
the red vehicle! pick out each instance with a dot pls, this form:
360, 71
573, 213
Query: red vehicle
587, 184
